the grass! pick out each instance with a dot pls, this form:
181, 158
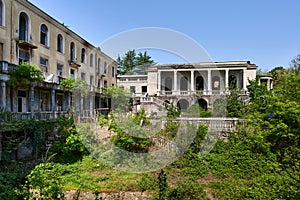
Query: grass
89, 174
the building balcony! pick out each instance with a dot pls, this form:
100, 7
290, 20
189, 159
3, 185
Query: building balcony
197, 92
36, 115
6, 67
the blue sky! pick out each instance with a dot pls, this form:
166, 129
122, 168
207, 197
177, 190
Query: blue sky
266, 32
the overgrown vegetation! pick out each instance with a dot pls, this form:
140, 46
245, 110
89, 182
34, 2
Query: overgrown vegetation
26, 73
258, 161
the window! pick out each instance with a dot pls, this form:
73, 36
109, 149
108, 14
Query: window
83, 55
99, 65
72, 52
44, 61
105, 67
113, 71
23, 26
92, 60
132, 89
59, 102
72, 73
44, 64
105, 84
2, 13
60, 43
23, 56
1, 51
82, 76
144, 89
99, 83
59, 68
91, 80
44, 35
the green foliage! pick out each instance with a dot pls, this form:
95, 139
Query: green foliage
140, 118
235, 107
162, 185
196, 110
295, 65
170, 129
187, 190
120, 98
129, 133
275, 119
220, 107
134, 64
67, 83
68, 147
173, 112
75, 84
20, 131
42, 182
25, 73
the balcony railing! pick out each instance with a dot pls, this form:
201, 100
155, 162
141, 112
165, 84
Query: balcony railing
197, 92
36, 115
6, 67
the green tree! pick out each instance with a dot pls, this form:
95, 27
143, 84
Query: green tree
131, 63
295, 65
120, 97
75, 84
275, 121
25, 73
235, 106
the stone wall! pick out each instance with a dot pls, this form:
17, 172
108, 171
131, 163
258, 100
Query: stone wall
89, 195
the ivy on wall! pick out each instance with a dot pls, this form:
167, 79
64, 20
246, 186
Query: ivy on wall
25, 73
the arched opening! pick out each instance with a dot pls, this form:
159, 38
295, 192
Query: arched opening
166, 104
183, 104
232, 82
91, 60
83, 55
72, 52
216, 83
184, 83
202, 104
44, 35
23, 26
220, 107
199, 83
2, 13
99, 65
168, 84
60, 43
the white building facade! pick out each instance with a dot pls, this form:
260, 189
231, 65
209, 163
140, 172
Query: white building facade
187, 84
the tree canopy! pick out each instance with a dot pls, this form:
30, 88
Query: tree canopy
275, 119
132, 63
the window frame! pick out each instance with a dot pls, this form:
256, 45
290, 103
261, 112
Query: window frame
44, 35
60, 43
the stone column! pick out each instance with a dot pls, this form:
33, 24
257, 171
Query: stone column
158, 81
175, 81
209, 88
31, 99
244, 79
192, 81
3, 94
226, 79
52, 100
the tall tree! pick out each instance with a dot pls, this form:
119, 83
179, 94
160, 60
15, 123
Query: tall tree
295, 65
131, 63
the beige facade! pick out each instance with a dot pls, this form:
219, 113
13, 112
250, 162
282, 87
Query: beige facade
193, 83
27, 34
